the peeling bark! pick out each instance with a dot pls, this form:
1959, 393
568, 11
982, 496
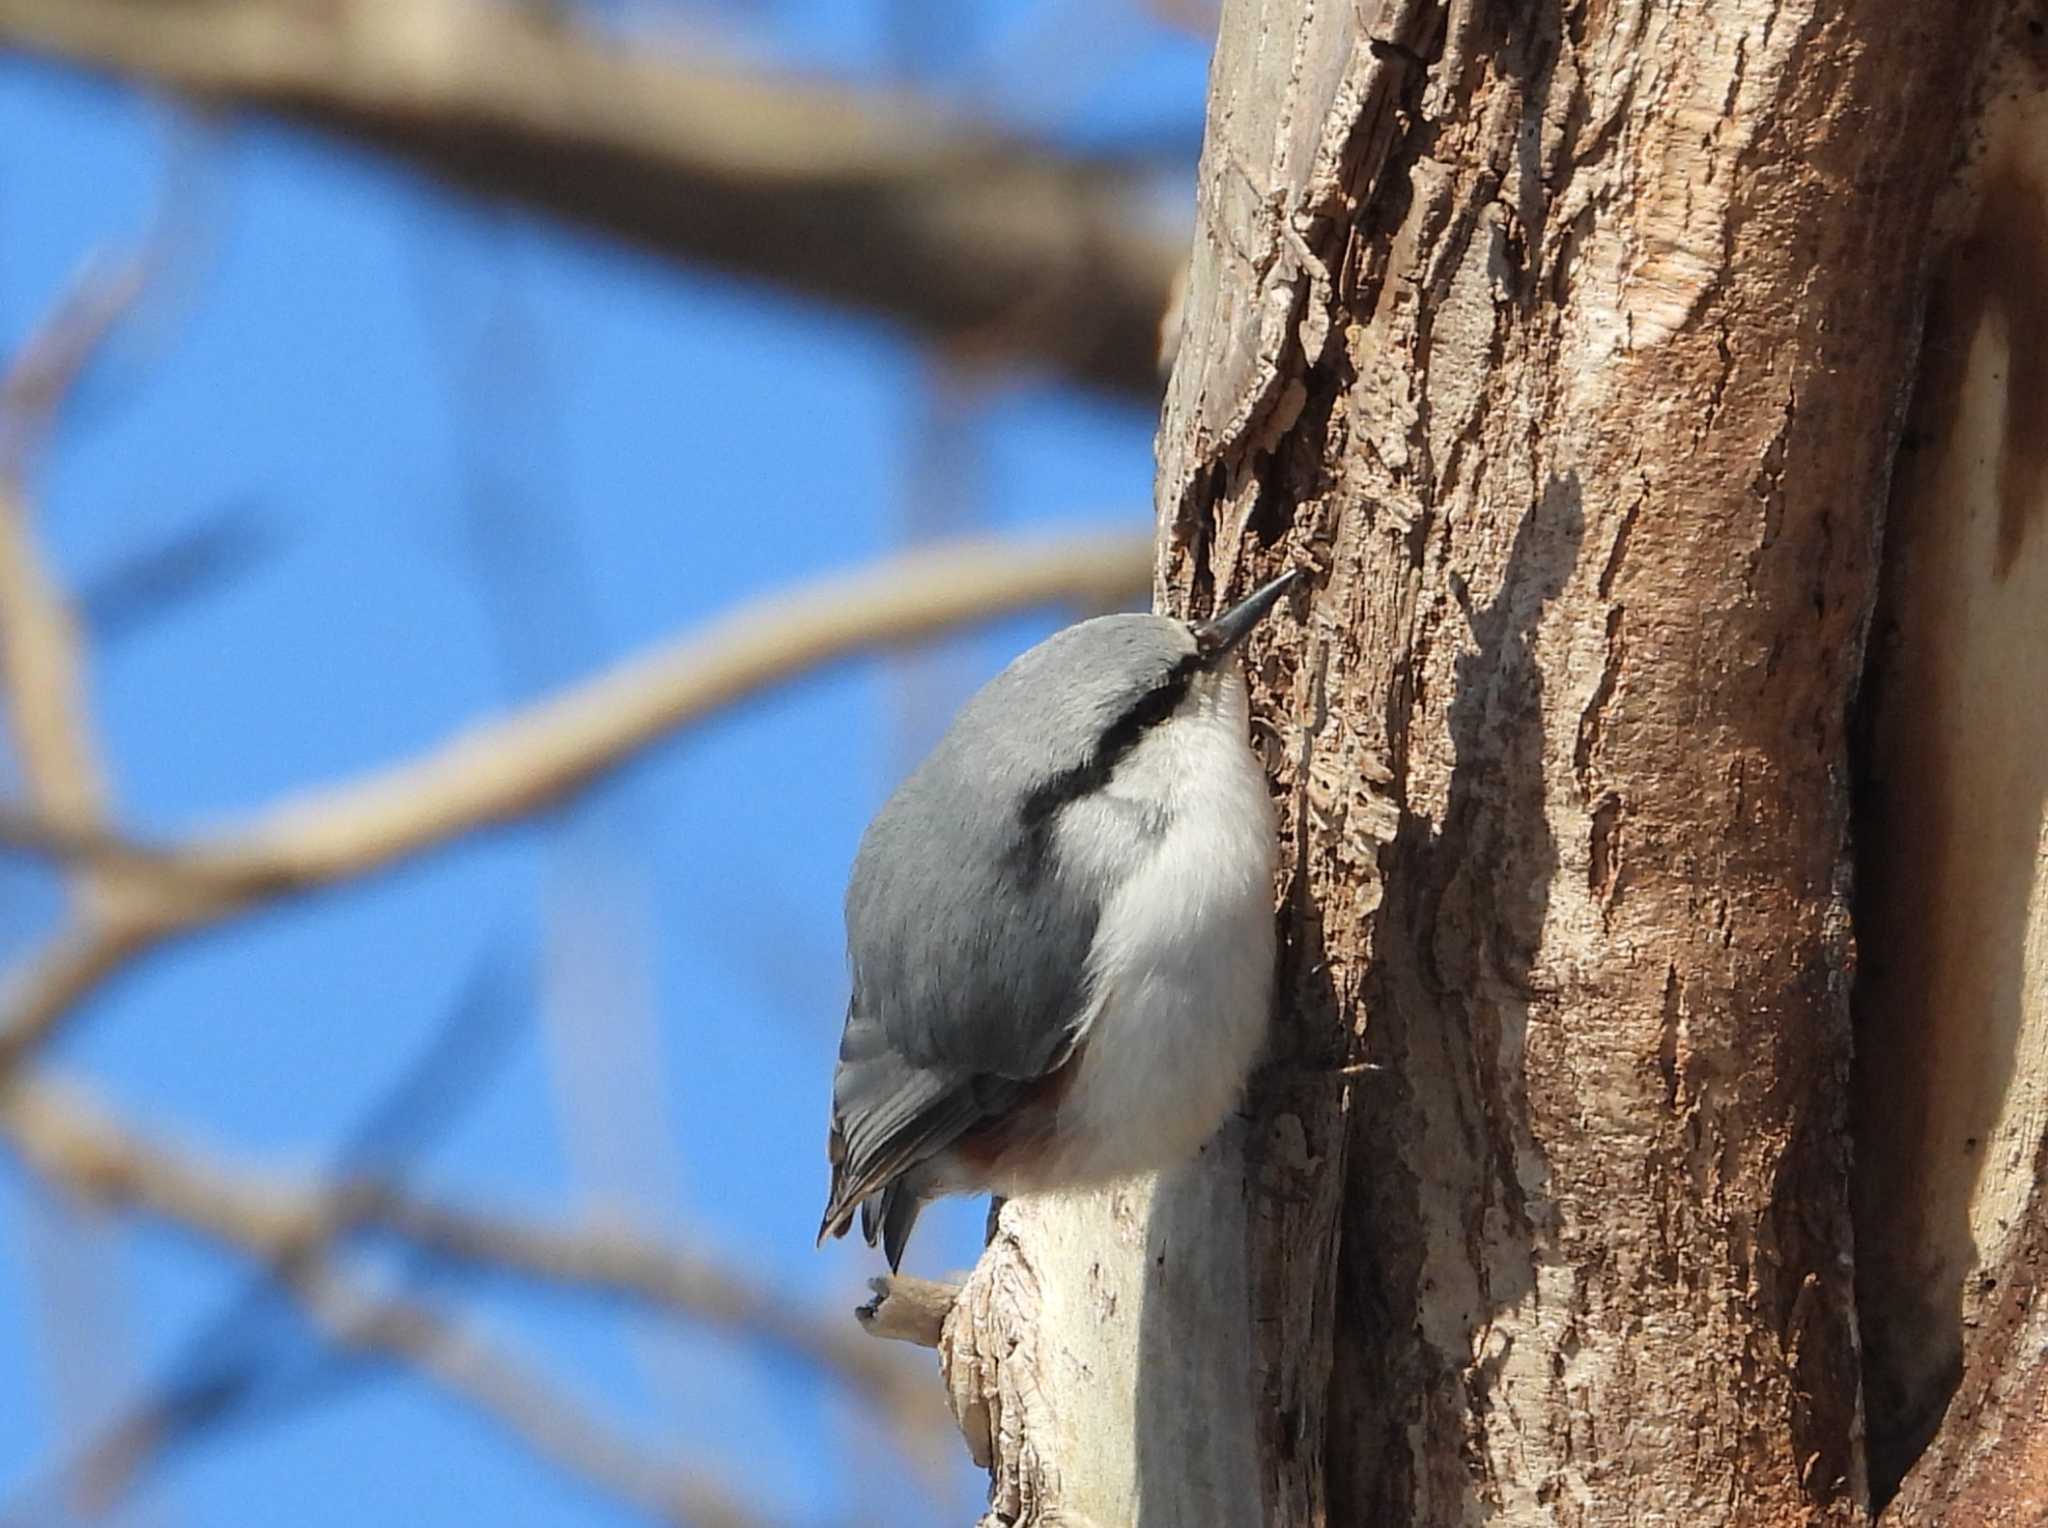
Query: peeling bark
1568, 346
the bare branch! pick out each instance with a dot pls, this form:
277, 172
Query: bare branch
42, 674
49, 984
512, 767
282, 1221
40, 666
974, 239
604, 1261
43, 690
49, 365
42, 670
69, 845
506, 1392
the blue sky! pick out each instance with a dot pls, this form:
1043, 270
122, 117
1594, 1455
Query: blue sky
457, 457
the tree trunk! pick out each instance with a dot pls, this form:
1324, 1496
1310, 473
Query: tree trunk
1570, 345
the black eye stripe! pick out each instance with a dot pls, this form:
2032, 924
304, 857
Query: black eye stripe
1147, 712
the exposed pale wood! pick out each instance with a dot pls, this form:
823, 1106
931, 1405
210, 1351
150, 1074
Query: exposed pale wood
1098, 1357
909, 1310
1569, 346
1952, 1022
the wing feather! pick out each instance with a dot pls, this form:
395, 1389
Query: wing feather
968, 930
969, 980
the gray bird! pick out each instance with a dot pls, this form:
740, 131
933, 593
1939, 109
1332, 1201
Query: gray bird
1060, 928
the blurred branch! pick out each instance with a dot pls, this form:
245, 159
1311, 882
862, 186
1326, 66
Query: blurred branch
224, 544
521, 764
242, 1364
41, 672
42, 669
977, 240
503, 1390
40, 663
284, 1222
513, 767
413, 1335
44, 691
1199, 18
50, 363
59, 975
65, 843
619, 1264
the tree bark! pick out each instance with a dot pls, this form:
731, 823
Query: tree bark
1570, 345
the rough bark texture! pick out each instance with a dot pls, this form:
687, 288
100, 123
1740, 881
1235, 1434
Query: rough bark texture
1570, 344
1952, 1001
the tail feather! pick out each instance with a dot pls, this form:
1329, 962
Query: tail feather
834, 1224
890, 1215
887, 1216
839, 1206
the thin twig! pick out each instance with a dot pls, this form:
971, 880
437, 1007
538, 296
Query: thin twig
42, 667
605, 1261
40, 663
46, 370
42, 673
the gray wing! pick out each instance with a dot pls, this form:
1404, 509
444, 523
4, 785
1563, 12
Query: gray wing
970, 960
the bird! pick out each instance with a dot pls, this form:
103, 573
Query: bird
1060, 928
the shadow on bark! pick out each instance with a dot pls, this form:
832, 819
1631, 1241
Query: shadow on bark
1439, 1228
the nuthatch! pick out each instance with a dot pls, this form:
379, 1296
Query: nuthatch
1060, 928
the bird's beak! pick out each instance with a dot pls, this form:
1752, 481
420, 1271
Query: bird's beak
1217, 639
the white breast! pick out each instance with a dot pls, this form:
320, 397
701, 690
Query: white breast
1182, 841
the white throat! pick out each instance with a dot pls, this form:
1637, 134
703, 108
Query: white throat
1180, 846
